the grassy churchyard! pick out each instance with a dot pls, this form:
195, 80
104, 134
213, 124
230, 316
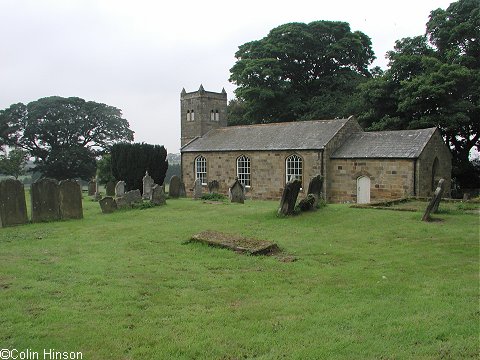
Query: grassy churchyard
367, 284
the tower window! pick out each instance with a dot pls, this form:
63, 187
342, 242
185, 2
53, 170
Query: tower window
212, 116
201, 169
192, 115
217, 115
294, 168
188, 115
243, 170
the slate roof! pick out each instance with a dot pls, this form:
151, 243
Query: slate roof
385, 144
301, 135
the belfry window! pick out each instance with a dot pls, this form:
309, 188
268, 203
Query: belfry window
217, 115
201, 169
243, 170
192, 115
294, 168
212, 116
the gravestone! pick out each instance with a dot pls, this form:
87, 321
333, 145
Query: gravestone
122, 202
174, 188
182, 193
97, 195
308, 203
110, 188
213, 186
108, 205
147, 186
197, 189
158, 195
120, 189
92, 187
70, 199
13, 209
133, 197
237, 192
45, 197
289, 197
434, 202
315, 188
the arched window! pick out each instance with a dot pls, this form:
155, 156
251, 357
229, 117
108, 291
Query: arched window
294, 168
217, 115
435, 177
212, 116
243, 170
201, 169
188, 115
192, 115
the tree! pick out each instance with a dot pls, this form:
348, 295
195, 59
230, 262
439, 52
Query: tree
299, 72
64, 135
434, 80
130, 161
14, 163
104, 169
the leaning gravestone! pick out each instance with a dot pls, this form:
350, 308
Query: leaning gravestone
92, 187
147, 186
110, 188
45, 200
108, 205
133, 197
158, 195
120, 189
70, 199
289, 197
434, 202
315, 188
237, 192
197, 189
174, 187
213, 186
13, 210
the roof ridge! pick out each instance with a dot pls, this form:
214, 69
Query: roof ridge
279, 123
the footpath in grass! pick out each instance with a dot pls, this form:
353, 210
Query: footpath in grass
367, 284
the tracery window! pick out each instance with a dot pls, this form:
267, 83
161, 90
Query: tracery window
294, 168
243, 170
201, 169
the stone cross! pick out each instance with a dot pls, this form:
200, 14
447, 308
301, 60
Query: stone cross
147, 186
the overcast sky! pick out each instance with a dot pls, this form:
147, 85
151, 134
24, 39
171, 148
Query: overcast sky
137, 55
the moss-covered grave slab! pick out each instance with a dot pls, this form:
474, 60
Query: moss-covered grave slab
236, 243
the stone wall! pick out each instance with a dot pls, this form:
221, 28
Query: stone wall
389, 178
350, 127
267, 170
435, 148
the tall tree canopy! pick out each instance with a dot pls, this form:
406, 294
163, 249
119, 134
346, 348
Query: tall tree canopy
63, 134
299, 72
434, 80
130, 161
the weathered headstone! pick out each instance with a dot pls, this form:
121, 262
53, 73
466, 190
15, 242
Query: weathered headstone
45, 197
133, 196
315, 188
120, 189
110, 188
308, 203
147, 185
92, 187
182, 192
289, 197
97, 196
174, 187
213, 186
70, 199
237, 192
13, 210
434, 202
122, 202
108, 205
158, 195
197, 189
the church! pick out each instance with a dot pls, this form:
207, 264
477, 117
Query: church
357, 166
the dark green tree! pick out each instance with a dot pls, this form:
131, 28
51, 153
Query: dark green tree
299, 72
104, 169
64, 135
130, 161
434, 80
14, 163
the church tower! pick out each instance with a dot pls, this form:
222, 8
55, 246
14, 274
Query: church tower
201, 111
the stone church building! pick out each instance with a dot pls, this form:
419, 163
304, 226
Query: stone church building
357, 166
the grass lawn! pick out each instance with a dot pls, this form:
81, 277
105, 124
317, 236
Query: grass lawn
368, 284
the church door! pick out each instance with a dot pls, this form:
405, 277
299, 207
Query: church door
363, 190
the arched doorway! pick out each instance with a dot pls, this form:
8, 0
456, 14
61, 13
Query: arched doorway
363, 190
